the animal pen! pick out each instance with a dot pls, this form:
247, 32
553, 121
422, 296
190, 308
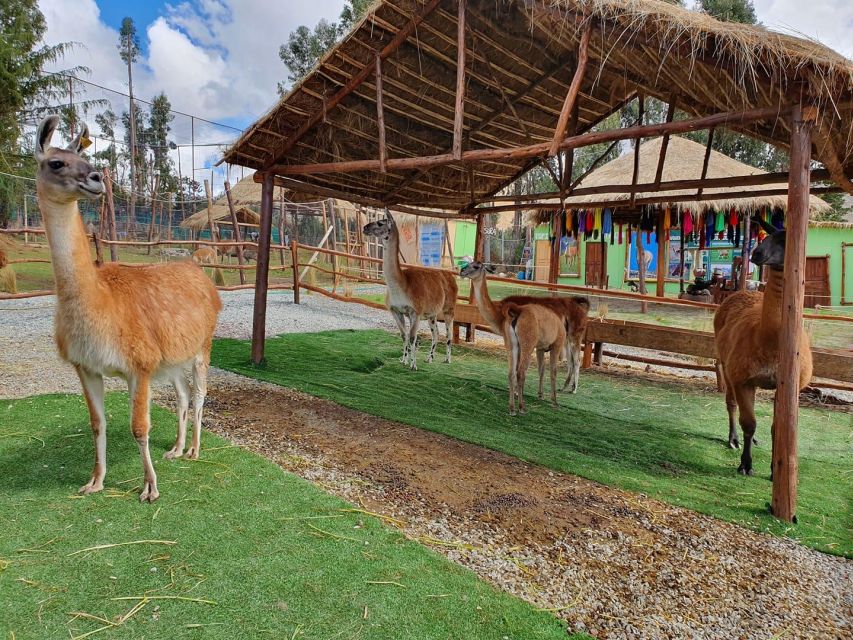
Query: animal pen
433, 107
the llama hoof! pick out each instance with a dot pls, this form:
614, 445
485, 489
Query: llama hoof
149, 492
744, 471
734, 444
93, 486
192, 453
447, 361
173, 453
755, 441
522, 412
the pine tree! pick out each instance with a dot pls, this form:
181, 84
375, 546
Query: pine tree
157, 137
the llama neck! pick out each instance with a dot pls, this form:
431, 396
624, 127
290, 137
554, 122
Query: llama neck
73, 269
771, 308
391, 260
491, 312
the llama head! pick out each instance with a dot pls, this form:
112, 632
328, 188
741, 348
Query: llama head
63, 176
381, 228
475, 270
771, 251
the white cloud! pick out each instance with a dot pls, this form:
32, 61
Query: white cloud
828, 21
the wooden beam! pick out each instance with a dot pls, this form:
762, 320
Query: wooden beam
237, 238
707, 160
259, 318
459, 110
572, 95
380, 118
659, 199
356, 81
786, 408
670, 114
641, 109
673, 185
730, 118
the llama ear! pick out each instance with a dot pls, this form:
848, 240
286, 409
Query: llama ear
44, 134
490, 268
81, 141
769, 229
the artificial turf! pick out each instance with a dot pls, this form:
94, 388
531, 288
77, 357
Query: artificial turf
664, 440
236, 548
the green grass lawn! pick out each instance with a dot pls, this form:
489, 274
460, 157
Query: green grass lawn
660, 439
253, 552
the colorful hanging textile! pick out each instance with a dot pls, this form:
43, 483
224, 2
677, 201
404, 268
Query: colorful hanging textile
687, 223
720, 222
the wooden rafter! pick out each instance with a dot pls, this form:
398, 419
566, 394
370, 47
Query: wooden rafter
707, 159
380, 118
572, 95
459, 110
670, 114
402, 35
641, 109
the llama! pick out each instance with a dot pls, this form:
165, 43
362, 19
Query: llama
139, 323
415, 293
525, 328
8, 280
747, 326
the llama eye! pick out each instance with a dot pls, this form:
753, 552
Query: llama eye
56, 165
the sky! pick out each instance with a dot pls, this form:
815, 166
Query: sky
218, 59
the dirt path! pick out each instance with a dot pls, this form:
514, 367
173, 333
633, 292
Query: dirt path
615, 564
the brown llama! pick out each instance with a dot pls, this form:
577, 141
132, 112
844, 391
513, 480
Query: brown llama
414, 293
137, 322
525, 328
8, 281
747, 327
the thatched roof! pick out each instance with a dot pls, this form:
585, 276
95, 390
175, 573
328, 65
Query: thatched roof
684, 161
220, 214
522, 53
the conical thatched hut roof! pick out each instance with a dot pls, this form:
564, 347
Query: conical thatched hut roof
684, 161
200, 220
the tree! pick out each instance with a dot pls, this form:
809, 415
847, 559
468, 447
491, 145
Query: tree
741, 11
157, 134
107, 121
305, 46
839, 212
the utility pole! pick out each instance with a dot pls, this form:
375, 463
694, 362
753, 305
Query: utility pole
132, 208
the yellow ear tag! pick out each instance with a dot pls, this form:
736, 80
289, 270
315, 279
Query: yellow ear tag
85, 143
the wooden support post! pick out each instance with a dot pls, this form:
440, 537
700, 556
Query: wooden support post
380, 118
554, 263
707, 159
259, 320
450, 246
281, 225
111, 215
210, 210
587, 355
744, 257
670, 113
26, 222
661, 271
641, 269
333, 241
571, 96
681, 258
641, 105
459, 113
236, 225
294, 258
786, 408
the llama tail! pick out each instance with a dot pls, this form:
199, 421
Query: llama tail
512, 311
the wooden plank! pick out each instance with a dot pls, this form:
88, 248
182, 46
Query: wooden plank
648, 336
380, 118
262, 272
786, 407
459, 109
731, 118
572, 95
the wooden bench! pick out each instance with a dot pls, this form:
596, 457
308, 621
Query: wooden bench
829, 364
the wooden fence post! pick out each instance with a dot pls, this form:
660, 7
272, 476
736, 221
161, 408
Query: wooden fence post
294, 257
259, 319
237, 237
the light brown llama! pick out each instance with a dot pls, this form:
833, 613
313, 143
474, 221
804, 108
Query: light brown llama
134, 322
747, 327
525, 328
414, 293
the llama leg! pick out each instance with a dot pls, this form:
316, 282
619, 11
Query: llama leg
404, 335
448, 329
512, 366
413, 340
540, 365
433, 327
140, 425
573, 364
93, 390
182, 391
555, 363
200, 367
745, 397
525, 353
731, 407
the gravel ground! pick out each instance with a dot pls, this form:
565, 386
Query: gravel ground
671, 574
